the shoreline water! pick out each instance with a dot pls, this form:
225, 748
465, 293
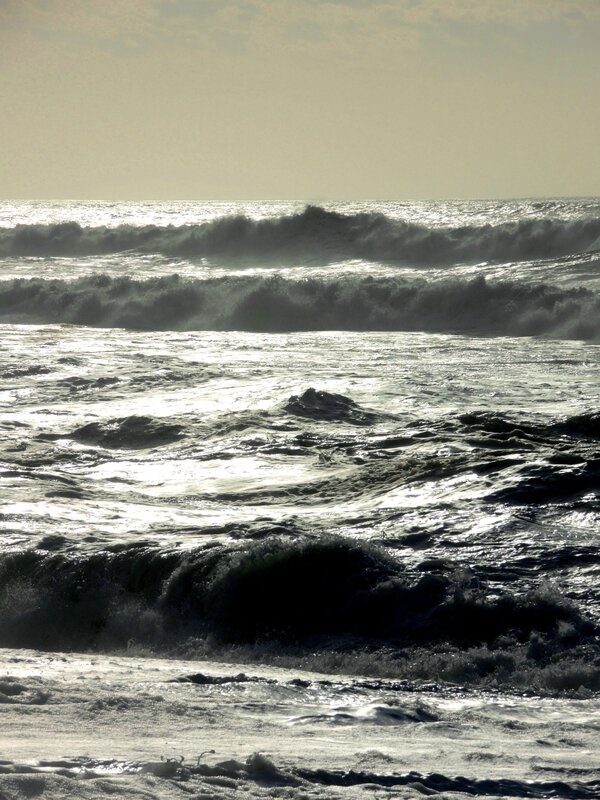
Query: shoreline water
71, 717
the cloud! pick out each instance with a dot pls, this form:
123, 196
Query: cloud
516, 12
82, 20
308, 25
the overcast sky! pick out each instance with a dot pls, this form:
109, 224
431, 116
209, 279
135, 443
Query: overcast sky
299, 99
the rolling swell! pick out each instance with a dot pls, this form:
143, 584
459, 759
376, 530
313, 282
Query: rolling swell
316, 234
273, 304
324, 406
130, 432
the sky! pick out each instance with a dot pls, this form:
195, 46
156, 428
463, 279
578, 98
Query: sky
299, 99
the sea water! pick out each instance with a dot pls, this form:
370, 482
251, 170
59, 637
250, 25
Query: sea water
356, 444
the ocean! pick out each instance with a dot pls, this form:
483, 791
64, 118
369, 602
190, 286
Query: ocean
316, 488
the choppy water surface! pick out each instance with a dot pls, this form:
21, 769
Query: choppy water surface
361, 426
360, 439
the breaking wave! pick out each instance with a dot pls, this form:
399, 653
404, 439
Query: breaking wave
316, 234
274, 589
328, 604
274, 304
